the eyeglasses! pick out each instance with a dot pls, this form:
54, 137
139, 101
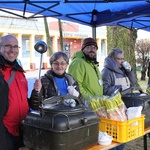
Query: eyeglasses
91, 47
61, 64
9, 47
120, 58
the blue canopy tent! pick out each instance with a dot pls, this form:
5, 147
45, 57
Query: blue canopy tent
138, 23
93, 13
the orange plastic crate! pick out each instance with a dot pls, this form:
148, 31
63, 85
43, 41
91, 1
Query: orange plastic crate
123, 131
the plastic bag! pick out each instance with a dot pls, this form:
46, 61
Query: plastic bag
134, 112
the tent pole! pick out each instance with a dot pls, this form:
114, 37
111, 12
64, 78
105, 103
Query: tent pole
94, 21
94, 32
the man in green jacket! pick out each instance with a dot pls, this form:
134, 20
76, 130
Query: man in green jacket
84, 68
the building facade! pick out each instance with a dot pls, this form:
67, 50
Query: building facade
28, 32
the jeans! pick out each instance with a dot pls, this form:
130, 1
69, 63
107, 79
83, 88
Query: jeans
120, 147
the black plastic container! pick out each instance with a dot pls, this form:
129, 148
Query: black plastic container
136, 97
56, 130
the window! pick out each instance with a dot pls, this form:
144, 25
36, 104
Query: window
25, 46
37, 38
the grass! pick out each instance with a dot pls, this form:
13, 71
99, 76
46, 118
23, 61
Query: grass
142, 84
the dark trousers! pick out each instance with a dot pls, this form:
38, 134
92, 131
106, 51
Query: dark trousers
13, 142
3, 144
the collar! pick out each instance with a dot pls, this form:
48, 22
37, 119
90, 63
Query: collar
58, 76
5, 64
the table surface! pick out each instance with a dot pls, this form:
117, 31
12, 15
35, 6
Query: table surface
98, 146
102, 147
112, 145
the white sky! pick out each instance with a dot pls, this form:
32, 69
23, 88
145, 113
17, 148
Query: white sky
143, 34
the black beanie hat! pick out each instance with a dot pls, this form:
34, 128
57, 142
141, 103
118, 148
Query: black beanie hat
88, 42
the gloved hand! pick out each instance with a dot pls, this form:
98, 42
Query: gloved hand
124, 87
73, 91
126, 65
34, 101
70, 102
34, 104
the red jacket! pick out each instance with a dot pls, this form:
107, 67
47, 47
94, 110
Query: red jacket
18, 103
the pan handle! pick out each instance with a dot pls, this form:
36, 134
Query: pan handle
131, 90
60, 114
61, 99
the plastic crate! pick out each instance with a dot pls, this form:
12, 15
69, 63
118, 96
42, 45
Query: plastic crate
123, 131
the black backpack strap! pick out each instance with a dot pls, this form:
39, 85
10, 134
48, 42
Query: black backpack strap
13, 73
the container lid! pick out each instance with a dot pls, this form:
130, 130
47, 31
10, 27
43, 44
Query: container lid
64, 109
57, 104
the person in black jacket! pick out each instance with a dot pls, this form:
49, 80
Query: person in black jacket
55, 82
3, 109
13, 95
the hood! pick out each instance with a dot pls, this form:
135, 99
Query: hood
78, 54
48, 73
111, 65
5, 63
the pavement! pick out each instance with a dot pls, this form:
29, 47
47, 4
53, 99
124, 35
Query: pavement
34, 73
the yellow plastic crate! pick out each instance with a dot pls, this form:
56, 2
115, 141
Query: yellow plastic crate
123, 131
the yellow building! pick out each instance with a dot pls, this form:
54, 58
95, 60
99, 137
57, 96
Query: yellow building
28, 32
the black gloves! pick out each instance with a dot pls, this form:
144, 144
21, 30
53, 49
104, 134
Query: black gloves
35, 100
34, 104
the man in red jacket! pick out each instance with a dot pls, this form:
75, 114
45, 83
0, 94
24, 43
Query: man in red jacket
16, 90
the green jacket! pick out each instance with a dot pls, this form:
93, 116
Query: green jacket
87, 74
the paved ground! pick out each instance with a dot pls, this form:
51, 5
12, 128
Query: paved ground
34, 73
137, 144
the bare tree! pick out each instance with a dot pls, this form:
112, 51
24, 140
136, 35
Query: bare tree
61, 34
125, 39
47, 36
142, 50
